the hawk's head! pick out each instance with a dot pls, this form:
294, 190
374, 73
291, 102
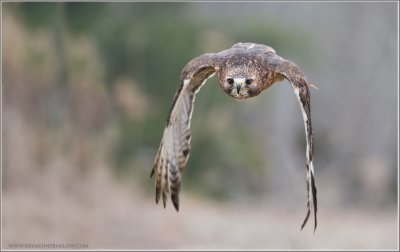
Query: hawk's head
241, 81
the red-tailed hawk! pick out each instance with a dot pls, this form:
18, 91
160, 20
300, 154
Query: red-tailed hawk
243, 71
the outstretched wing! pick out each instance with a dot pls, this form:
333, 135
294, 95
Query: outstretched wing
173, 153
296, 78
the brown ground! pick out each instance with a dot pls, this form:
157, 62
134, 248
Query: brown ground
99, 212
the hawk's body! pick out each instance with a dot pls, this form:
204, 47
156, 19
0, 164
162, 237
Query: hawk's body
244, 71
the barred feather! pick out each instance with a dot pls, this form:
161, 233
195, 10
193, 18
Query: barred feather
263, 66
174, 149
303, 96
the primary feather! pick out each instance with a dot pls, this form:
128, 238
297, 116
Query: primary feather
256, 65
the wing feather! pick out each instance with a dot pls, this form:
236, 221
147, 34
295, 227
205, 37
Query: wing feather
174, 149
300, 86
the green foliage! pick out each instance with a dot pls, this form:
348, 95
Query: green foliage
36, 15
82, 17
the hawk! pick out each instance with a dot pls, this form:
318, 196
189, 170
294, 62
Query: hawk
243, 71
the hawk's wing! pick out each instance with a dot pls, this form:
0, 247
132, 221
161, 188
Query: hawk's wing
173, 152
296, 78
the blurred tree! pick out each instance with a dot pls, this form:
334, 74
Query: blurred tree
149, 44
50, 16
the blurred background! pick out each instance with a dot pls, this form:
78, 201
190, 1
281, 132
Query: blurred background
86, 91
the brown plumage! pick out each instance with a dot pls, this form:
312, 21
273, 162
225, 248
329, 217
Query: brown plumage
243, 71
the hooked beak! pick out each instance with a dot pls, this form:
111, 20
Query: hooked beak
239, 82
238, 87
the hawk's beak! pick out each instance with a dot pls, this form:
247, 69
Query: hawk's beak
238, 87
239, 82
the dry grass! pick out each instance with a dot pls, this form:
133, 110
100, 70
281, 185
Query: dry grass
59, 203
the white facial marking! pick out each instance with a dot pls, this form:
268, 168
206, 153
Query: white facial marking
240, 81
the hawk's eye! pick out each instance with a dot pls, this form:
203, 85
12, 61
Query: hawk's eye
230, 81
249, 81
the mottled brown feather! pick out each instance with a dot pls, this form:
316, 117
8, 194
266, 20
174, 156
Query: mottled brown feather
242, 60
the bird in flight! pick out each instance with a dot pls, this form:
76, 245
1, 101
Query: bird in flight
243, 71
